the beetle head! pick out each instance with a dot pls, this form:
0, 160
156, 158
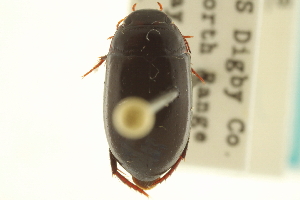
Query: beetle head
147, 17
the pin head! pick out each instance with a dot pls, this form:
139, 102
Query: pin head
133, 118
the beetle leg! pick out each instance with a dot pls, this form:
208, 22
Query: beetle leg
186, 43
198, 76
114, 169
160, 6
111, 37
169, 173
118, 24
101, 60
133, 7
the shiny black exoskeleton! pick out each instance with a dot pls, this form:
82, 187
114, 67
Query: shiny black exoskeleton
148, 55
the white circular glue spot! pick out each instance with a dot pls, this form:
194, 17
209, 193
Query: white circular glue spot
133, 118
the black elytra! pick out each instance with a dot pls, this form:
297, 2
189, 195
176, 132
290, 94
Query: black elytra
148, 55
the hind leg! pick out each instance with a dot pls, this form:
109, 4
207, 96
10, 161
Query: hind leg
114, 169
172, 169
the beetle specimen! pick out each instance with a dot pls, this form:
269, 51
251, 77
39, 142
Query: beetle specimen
147, 98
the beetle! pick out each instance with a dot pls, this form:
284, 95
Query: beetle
148, 55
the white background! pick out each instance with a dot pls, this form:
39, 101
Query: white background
52, 140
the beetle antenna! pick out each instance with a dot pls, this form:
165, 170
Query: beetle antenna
133, 7
160, 6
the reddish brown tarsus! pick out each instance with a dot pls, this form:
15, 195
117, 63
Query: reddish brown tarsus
198, 76
118, 24
186, 43
188, 36
101, 60
114, 169
169, 173
160, 6
133, 7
